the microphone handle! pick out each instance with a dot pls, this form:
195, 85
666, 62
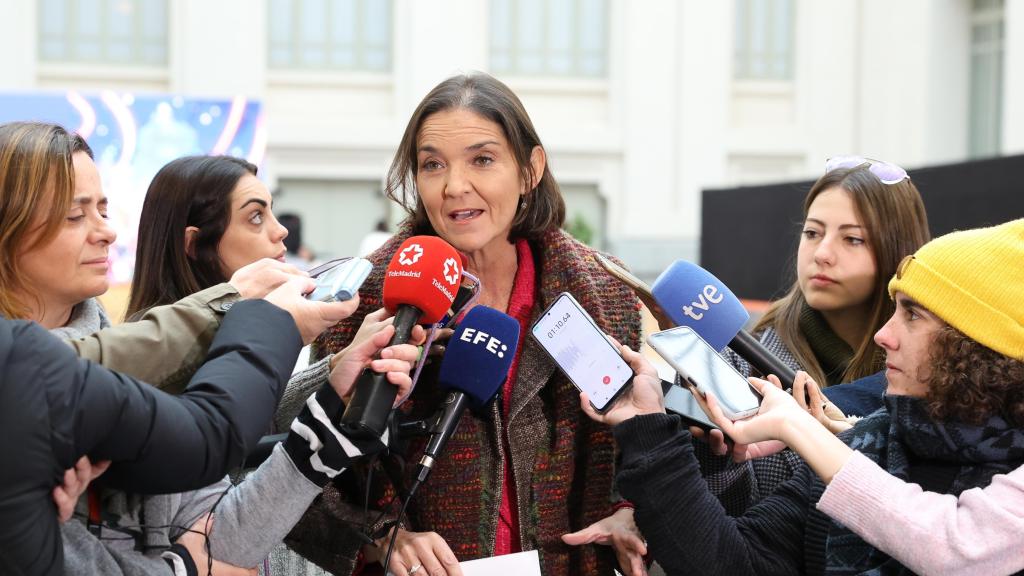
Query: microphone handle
760, 358
454, 405
366, 415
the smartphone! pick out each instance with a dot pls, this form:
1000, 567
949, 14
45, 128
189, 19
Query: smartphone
581, 350
341, 281
699, 363
640, 288
679, 400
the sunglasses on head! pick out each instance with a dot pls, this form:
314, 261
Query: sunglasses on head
886, 172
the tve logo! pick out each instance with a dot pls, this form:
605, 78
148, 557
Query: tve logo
708, 296
494, 346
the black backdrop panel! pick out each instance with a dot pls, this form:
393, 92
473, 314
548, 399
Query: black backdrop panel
750, 234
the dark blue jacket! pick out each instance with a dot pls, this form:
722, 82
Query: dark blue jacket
860, 397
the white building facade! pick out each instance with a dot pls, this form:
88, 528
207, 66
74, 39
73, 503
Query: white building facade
641, 104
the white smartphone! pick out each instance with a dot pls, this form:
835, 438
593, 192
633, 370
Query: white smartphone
697, 362
581, 350
340, 282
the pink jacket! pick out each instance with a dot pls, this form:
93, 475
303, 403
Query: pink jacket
981, 532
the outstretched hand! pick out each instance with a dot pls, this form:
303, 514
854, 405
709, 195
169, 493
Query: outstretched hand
261, 277
311, 317
621, 533
764, 433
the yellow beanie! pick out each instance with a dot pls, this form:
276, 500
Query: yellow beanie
973, 280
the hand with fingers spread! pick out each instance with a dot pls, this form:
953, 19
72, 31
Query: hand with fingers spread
644, 396
418, 554
260, 278
372, 340
619, 531
76, 480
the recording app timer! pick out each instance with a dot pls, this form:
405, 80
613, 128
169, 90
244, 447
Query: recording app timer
582, 351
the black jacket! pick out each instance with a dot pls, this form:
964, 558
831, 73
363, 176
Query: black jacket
55, 407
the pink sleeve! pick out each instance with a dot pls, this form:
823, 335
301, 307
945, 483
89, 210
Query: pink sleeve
982, 532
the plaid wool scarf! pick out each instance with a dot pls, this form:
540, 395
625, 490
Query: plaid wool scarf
944, 457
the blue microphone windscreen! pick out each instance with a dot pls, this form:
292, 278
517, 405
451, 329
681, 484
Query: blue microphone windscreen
479, 354
692, 296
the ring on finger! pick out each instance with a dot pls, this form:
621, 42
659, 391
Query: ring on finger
415, 569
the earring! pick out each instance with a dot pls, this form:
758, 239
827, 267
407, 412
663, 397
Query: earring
523, 204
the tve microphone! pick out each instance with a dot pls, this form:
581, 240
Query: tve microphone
692, 296
419, 286
474, 366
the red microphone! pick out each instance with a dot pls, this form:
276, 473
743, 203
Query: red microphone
419, 286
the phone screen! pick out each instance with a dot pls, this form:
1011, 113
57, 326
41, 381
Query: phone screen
680, 401
340, 282
581, 350
697, 361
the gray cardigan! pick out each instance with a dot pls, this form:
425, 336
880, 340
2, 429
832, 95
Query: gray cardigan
251, 517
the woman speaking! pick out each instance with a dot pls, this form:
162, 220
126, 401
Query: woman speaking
533, 473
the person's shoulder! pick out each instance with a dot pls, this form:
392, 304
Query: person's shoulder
563, 250
569, 265
860, 397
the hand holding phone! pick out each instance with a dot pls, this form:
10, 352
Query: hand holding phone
680, 401
580, 349
339, 280
697, 362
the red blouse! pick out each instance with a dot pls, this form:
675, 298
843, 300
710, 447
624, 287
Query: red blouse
520, 304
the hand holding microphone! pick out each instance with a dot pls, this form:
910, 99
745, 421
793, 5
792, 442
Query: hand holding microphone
477, 362
369, 349
420, 284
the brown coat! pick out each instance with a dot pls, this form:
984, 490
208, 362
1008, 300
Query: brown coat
562, 462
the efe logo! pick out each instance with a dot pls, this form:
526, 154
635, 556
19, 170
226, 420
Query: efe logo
410, 255
451, 271
707, 295
494, 346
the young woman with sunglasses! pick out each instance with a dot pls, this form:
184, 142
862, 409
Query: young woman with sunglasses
861, 218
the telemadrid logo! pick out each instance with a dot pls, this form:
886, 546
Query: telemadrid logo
451, 271
410, 255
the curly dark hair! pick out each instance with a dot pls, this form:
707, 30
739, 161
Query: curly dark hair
970, 382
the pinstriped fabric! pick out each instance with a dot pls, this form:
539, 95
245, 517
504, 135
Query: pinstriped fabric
739, 486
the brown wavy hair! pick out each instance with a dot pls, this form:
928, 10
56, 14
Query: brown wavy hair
970, 382
488, 97
36, 170
896, 225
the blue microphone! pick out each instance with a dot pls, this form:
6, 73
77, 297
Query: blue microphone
474, 366
692, 296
